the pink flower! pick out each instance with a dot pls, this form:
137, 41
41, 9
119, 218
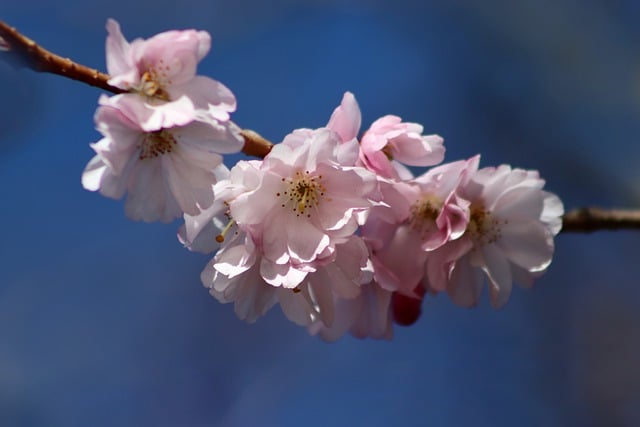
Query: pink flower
509, 237
438, 214
390, 139
305, 203
165, 172
205, 231
235, 275
428, 214
366, 316
162, 73
388, 143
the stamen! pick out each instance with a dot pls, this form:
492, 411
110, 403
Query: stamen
220, 237
156, 143
483, 228
150, 86
303, 193
424, 213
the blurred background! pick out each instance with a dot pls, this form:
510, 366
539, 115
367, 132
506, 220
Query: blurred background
104, 322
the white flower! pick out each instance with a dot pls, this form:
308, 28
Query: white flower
166, 172
509, 237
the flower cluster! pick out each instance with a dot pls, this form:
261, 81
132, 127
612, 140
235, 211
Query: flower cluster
163, 137
331, 226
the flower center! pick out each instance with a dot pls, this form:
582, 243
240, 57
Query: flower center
423, 214
483, 227
156, 143
303, 192
153, 81
387, 152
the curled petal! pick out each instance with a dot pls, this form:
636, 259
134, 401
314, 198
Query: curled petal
346, 118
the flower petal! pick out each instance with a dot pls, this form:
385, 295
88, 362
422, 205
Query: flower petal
346, 118
496, 267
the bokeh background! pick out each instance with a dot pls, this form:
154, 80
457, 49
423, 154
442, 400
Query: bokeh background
104, 322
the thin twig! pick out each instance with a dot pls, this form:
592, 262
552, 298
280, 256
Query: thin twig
28, 53
586, 220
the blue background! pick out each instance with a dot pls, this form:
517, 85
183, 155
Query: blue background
104, 322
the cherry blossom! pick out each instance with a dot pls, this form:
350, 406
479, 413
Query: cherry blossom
423, 214
368, 315
205, 231
390, 142
165, 172
308, 201
235, 275
509, 237
161, 74
300, 251
332, 227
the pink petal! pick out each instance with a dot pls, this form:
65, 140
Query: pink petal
304, 240
465, 285
527, 244
346, 118
281, 274
295, 306
208, 95
552, 212
322, 296
417, 150
120, 64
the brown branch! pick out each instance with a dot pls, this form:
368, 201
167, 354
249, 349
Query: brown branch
254, 144
28, 53
586, 220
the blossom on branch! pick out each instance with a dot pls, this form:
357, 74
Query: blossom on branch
333, 228
166, 172
298, 249
509, 237
388, 143
161, 75
368, 315
235, 275
344, 249
309, 201
427, 213
162, 140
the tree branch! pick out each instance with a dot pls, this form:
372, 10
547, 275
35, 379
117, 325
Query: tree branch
27, 53
586, 220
